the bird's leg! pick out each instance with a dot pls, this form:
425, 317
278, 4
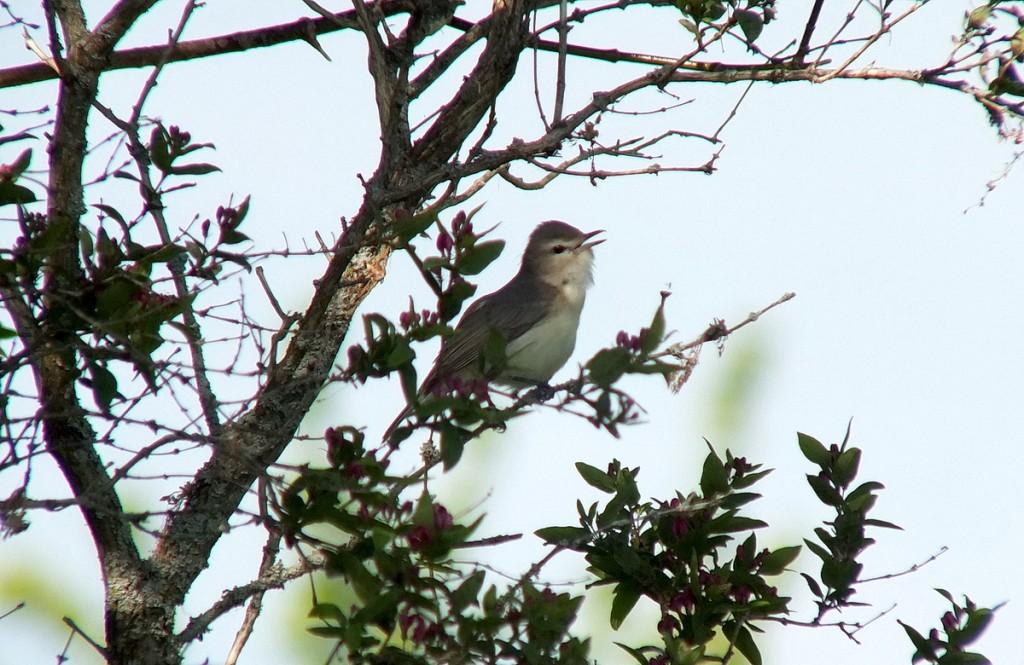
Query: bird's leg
541, 391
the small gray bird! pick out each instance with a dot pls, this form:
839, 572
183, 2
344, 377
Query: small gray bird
537, 312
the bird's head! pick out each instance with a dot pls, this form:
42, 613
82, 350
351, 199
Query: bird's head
560, 254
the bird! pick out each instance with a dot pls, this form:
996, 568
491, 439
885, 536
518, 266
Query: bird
537, 312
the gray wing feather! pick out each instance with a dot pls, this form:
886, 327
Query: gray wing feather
513, 310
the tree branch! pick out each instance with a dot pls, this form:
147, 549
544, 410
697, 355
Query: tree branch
274, 578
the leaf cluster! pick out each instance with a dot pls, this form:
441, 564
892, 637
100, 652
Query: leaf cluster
413, 603
961, 626
841, 540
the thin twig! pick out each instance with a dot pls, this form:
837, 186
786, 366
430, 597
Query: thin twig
68, 621
913, 568
563, 35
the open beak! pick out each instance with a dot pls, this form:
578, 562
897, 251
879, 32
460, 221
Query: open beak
584, 245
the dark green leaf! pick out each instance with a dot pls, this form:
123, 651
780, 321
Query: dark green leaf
813, 450
328, 612
467, 592
159, 153
812, 584
608, 365
882, 523
12, 193
923, 647
330, 632
651, 337
963, 658
400, 354
734, 523
777, 560
104, 386
745, 644
365, 583
408, 227
846, 466
626, 596
818, 550
596, 477
977, 622
637, 654
7, 333
193, 169
737, 499
750, 22
480, 256
232, 237
714, 479
567, 536
826, 493
453, 439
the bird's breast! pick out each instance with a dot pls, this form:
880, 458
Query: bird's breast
543, 349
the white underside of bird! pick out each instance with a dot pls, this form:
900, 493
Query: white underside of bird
543, 349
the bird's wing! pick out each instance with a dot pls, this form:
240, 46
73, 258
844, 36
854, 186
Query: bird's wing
510, 310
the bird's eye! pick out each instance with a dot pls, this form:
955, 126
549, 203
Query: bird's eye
558, 249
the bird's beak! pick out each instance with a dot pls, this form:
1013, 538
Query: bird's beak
587, 245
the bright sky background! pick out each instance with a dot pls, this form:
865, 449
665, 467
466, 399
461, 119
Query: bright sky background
907, 316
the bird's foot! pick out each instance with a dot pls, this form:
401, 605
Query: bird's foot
541, 392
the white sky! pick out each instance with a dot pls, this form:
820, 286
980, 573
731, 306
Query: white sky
907, 315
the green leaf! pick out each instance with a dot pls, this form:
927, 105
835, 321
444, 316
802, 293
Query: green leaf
776, 561
751, 23
467, 592
12, 193
813, 450
596, 477
978, 17
408, 227
365, 583
193, 169
745, 644
327, 612
652, 336
453, 440
977, 622
7, 333
963, 658
330, 632
846, 466
626, 597
566, 536
812, 584
818, 550
882, 524
608, 365
232, 237
637, 654
104, 386
923, 647
714, 479
480, 256
824, 490
159, 152
1017, 43
400, 355
733, 523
